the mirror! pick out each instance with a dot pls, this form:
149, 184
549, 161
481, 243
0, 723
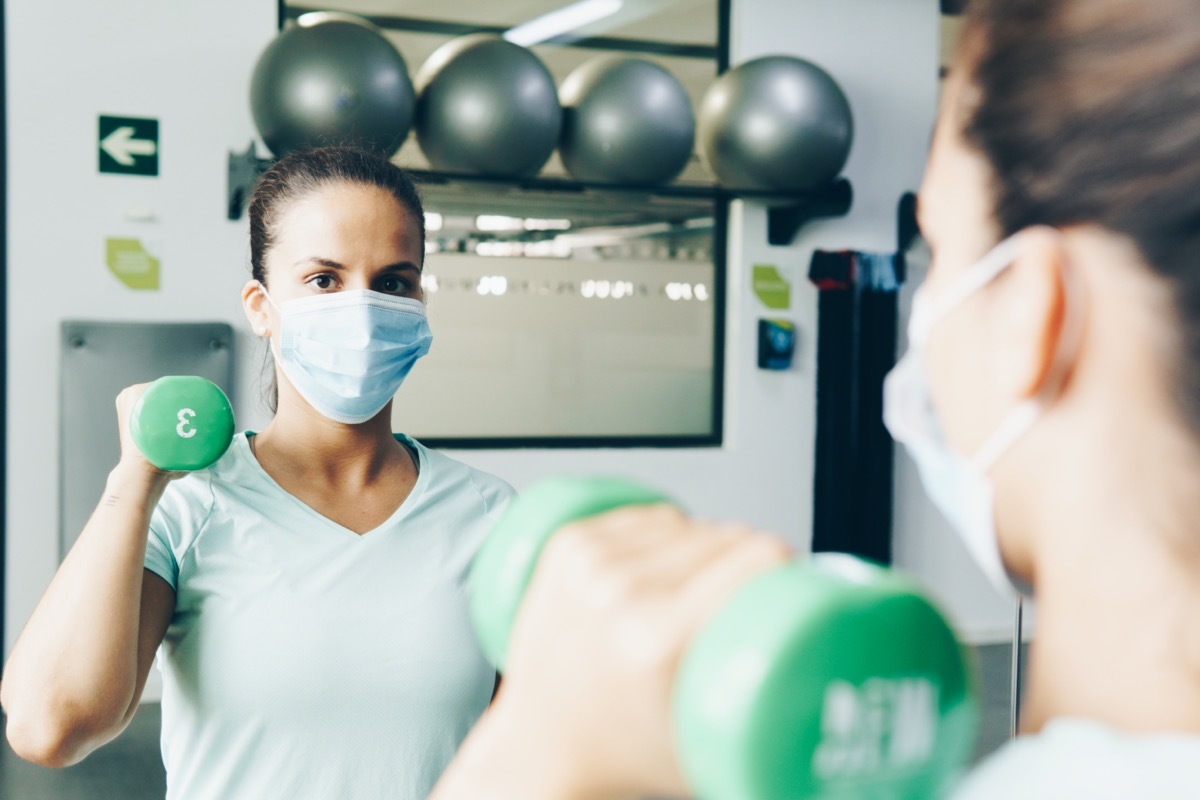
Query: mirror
566, 312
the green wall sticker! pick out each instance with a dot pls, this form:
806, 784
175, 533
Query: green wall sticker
130, 261
772, 288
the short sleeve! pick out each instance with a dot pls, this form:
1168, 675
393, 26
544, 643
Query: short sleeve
1083, 758
159, 558
175, 523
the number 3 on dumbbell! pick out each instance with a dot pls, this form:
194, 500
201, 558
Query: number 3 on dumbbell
186, 415
163, 423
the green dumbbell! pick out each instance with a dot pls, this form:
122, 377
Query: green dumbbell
827, 678
182, 423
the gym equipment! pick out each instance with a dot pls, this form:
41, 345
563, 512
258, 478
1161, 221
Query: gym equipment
182, 423
827, 678
775, 123
625, 121
486, 105
331, 79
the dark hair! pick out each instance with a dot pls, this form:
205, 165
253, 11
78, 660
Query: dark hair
299, 174
1088, 112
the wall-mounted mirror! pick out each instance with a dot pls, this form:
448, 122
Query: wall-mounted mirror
567, 312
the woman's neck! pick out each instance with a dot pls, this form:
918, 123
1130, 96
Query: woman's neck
303, 442
1101, 508
1117, 639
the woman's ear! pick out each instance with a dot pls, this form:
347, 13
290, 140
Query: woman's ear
256, 307
1030, 312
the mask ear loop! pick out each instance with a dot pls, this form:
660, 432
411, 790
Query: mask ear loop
263, 288
270, 340
985, 271
1024, 415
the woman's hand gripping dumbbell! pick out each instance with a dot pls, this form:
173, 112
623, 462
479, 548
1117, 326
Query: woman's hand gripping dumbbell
826, 678
179, 423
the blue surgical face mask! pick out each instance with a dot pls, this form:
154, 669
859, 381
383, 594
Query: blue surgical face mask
959, 486
347, 352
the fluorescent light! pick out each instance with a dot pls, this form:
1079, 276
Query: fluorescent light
492, 284
496, 222
561, 21
433, 221
599, 237
547, 224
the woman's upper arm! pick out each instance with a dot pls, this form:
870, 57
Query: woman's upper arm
158, 606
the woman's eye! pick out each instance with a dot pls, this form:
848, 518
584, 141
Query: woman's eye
392, 284
322, 281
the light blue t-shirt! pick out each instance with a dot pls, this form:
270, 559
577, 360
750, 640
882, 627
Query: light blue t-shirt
304, 660
1076, 758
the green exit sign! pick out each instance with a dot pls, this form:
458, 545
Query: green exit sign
128, 145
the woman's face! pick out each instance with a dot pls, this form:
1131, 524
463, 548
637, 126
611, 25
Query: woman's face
955, 217
997, 349
340, 237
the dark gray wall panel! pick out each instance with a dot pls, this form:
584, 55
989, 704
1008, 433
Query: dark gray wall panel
98, 360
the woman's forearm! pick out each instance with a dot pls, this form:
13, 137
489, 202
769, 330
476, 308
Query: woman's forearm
72, 676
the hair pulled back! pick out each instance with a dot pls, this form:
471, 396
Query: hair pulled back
301, 173
1088, 112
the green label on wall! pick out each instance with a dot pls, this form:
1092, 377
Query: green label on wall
771, 287
129, 145
129, 261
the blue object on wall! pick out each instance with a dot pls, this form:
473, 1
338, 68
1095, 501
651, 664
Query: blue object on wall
776, 343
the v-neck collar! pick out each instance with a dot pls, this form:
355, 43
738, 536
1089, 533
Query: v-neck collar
242, 445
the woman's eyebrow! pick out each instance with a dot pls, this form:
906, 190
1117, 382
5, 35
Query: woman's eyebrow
402, 265
324, 262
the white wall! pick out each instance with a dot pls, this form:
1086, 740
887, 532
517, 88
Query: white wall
186, 63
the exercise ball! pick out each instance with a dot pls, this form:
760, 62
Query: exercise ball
625, 121
775, 123
486, 105
331, 79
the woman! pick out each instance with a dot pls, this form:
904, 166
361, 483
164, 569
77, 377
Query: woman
1051, 396
307, 590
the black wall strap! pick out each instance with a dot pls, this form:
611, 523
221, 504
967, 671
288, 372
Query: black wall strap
856, 347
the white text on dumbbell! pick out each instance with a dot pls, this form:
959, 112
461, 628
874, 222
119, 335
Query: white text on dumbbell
186, 415
885, 723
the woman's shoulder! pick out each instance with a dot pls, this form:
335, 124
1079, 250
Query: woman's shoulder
1082, 758
448, 474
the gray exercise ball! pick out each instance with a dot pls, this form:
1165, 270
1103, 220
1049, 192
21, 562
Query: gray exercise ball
625, 121
486, 105
331, 79
775, 123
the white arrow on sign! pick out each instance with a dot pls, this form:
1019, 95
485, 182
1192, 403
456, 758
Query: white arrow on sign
121, 145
